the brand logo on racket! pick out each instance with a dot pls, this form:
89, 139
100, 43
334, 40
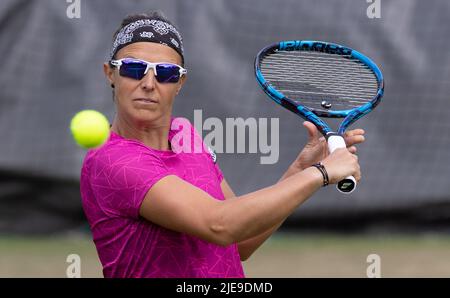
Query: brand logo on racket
296, 45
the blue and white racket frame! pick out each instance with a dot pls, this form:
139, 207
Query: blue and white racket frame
334, 139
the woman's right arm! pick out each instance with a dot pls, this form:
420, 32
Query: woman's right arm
177, 205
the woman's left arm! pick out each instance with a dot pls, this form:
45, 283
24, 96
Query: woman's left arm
314, 151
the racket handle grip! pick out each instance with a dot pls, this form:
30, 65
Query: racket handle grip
348, 184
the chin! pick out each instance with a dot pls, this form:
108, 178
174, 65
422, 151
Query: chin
147, 115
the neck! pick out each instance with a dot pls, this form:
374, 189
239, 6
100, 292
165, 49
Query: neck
154, 135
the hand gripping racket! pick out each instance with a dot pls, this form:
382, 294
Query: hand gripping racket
317, 79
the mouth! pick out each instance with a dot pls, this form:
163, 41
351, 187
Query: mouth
146, 100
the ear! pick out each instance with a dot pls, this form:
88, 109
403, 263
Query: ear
109, 73
181, 83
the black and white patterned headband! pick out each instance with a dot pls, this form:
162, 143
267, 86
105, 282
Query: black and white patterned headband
148, 30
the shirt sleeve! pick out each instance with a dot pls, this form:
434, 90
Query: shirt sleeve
121, 177
218, 172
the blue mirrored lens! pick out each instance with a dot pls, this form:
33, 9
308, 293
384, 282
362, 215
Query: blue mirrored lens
133, 69
167, 73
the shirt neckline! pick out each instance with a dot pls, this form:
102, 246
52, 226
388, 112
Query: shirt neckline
160, 152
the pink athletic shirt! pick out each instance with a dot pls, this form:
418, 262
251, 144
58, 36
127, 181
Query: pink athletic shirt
114, 181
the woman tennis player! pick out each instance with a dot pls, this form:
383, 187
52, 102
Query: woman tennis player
158, 211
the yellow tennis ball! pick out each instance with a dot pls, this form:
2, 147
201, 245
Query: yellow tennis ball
89, 128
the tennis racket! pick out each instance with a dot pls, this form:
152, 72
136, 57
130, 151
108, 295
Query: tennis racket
317, 79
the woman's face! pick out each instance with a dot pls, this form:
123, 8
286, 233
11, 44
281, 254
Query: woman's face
130, 92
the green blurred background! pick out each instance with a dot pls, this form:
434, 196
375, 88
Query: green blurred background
286, 254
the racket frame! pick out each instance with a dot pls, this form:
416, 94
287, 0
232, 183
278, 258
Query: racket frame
334, 139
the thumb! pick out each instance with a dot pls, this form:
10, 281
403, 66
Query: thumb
313, 132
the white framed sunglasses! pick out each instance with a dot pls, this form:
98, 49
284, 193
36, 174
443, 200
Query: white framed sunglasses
165, 72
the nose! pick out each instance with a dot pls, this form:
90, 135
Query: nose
148, 81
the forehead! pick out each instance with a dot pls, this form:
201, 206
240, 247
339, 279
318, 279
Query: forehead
149, 51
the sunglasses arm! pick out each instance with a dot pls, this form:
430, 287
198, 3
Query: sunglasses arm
183, 71
116, 63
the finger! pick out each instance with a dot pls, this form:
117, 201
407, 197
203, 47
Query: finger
358, 175
356, 172
353, 140
354, 132
352, 149
313, 132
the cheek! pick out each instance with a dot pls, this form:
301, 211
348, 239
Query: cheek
124, 88
169, 91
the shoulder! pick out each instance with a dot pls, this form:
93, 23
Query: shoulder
119, 152
180, 126
186, 137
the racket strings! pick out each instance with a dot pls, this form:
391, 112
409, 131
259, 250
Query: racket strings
358, 87
313, 77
